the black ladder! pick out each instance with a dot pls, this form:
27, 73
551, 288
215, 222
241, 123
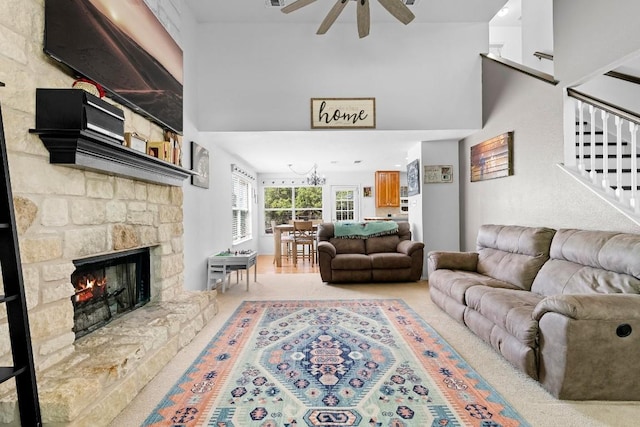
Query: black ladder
14, 297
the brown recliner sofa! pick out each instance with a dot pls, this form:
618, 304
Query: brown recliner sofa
389, 258
562, 306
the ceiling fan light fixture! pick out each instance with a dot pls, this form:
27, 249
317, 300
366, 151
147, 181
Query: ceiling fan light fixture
397, 8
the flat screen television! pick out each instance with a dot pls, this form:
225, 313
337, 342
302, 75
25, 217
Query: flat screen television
122, 46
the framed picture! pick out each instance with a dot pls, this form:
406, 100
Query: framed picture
200, 165
492, 158
366, 192
434, 174
343, 113
413, 178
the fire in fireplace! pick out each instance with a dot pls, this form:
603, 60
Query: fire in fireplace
107, 286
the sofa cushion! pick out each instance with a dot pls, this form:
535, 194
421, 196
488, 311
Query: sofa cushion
520, 355
351, 262
374, 245
585, 261
454, 284
390, 260
512, 253
510, 310
348, 246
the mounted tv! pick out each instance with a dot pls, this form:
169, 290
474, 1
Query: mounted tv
122, 46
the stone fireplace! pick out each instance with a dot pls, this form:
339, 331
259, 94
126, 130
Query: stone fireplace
77, 226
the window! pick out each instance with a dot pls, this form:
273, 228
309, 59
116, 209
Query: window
241, 208
345, 203
282, 204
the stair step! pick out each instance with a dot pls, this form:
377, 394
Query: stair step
600, 143
624, 187
613, 170
610, 156
588, 132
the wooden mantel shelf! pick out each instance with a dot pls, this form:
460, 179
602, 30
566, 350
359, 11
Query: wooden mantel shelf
86, 149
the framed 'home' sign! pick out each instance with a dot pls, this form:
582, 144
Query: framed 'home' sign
343, 113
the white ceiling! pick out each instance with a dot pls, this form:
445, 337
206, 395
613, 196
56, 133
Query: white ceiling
373, 149
425, 11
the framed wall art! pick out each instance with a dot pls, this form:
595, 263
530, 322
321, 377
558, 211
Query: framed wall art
413, 178
492, 158
122, 46
434, 174
200, 165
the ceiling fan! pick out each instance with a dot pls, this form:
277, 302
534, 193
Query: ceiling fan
395, 7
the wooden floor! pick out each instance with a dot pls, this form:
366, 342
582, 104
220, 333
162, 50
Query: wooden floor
266, 265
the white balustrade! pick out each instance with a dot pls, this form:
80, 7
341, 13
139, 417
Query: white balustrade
581, 125
605, 150
633, 129
592, 124
619, 189
595, 164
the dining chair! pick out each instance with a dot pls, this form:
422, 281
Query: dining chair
286, 242
304, 236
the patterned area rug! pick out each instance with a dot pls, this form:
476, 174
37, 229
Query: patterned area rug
330, 363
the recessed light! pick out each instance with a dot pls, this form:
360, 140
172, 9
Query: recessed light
503, 12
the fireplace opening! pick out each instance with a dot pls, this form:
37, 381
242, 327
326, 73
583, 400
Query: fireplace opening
108, 286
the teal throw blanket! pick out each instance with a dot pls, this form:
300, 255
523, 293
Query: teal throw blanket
362, 230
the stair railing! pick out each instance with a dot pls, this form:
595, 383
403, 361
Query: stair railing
597, 115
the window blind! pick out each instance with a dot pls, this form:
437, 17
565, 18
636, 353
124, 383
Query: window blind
241, 208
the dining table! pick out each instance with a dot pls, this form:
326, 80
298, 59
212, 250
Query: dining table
277, 239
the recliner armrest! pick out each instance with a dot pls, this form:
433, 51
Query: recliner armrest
591, 306
327, 248
441, 260
408, 247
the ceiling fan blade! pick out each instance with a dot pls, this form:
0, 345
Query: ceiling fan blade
399, 10
296, 5
363, 18
332, 16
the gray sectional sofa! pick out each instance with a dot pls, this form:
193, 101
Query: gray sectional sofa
389, 258
562, 306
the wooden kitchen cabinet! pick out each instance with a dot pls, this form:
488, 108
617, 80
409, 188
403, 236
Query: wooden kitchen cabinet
387, 189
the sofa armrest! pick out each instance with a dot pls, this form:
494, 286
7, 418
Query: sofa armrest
591, 306
327, 248
439, 260
408, 247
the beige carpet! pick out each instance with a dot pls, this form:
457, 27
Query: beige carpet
524, 394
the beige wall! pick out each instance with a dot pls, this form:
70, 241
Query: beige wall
63, 213
539, 193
